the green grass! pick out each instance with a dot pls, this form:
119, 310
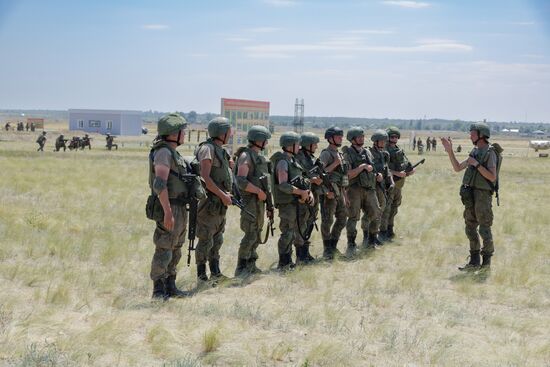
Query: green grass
75, 252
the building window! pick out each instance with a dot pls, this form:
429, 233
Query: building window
81, 123
245, 115
239, 115
109, 125
94, 123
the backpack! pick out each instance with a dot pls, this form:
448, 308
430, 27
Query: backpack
495, 147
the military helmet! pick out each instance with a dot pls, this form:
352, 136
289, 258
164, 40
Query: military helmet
392, 130
306, 139
333, 131
61, 136
43, 133
354, 132
171, 123
379, 135
218, 126
258, 133
483, 129
289, 138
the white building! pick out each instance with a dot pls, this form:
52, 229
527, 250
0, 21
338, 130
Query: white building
115, 122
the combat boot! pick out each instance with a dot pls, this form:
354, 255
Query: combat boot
215, 271
328, 253
307, 256
172, 290
335, 252
252, 268
374, 241
366, 240
486, 265
300, 257
159, 290
351, 250
285, 262
390, 233
242, 268
474, 263
201, 273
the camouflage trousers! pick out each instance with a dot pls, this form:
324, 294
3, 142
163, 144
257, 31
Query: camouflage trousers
252, 227
332, 209
210, 229
288, 227
392, 205
366, 201
168, 245
305, 213
480, 214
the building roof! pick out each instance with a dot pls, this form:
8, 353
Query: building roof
121, 112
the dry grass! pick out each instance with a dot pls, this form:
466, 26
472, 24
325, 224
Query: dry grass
75, 251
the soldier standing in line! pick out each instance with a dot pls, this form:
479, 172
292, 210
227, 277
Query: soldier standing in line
384, 179
414, 143
252, 166
434, 143
290, 188
165, 167
27, 127
361, 192
41, 141
307, 214
428, 144
398, 163
33, 126
478, 185
215, 170
60, 143
335, 207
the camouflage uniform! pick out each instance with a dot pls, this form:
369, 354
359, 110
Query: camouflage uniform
362, 197
60, 143
333, 208
41, 142
212, 211
252, 227
381, 159
285, 201
398, 162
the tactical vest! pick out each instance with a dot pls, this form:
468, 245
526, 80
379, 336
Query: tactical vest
176, 187
398, 159
339, 176
472, 177
294, 170
258, 168
364, 179
220, 175
307, 161
380, 159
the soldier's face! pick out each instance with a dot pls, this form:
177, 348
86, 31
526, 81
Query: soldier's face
474, 137
337, 139
380, 143
393, 139
296, 148
182, 136
313, 147
359, 140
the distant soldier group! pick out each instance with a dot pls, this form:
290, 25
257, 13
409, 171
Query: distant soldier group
344, 184
431, 144
20, 126
74, 143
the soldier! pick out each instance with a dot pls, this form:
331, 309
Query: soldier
361, 192
166, 164
41, 141
109, 139
336, 203
7, 126
27, 127
428, 144
476, 193
33, 126
384, 179
307, 214
459, 148
434, 144
398, 164
216, 172
289, 184
60, 143
414, 143
420, 146
251, 168
86, 142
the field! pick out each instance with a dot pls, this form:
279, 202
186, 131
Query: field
75, 252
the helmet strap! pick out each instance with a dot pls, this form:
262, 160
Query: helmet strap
288, 151
262, 147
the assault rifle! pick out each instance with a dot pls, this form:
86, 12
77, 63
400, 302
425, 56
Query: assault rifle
409, 168
264, 185
237, 199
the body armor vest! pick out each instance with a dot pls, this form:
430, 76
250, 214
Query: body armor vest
364, 179
340, 175
472, 177
294, 170
220, 175
176, 187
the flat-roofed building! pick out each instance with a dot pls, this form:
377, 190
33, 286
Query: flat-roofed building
115, 122
243, 114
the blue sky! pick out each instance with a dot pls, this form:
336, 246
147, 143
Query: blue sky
359, 58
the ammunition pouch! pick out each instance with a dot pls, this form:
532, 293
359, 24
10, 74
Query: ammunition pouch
467, 195
153, 209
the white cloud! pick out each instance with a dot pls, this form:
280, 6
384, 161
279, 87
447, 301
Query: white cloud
263, 30
523, 23
238, 39
370, 31
281, 3
407, 4
354, 45
155, 27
